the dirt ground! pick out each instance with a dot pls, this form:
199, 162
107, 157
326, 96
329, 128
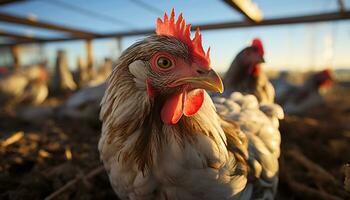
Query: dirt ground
59, 157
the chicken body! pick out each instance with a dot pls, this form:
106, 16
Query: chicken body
35, 93
84, 104
297, 99
245, 75
27, 85
231, 153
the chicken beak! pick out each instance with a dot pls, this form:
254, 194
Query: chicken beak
209, 80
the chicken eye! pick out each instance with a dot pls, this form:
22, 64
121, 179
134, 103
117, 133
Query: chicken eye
164, 62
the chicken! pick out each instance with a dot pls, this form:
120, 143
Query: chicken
27, 85
281, 85
245, 74
297, 99
84, 104
163, 138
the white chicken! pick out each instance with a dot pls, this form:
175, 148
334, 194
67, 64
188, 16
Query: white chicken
297, 99
27, 85
163, 138
84, 104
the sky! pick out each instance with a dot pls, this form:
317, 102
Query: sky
287, 47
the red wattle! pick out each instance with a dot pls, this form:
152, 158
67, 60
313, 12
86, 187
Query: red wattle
172, 109
150, 90
193, 102
181, 103
255, 70
326, 83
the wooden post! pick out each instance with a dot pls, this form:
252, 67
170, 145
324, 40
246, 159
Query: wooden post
89, 56
15, 56
247, 8
63, 79
83, 76
341, 6
39, 24
119, 46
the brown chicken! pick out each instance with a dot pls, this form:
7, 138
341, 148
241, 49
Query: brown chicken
163, 138
245, 74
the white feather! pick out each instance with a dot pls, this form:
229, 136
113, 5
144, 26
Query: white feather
138, 69
260, 125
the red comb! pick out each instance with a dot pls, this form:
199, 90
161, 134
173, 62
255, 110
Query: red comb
324, 78
3, 70
326, 73
182, 31
258, 44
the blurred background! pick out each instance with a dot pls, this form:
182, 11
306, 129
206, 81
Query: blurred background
55, 56
291, 46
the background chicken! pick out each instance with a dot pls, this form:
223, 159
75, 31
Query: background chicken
84, 104
245, 74
162, 137
296, 99
27, 85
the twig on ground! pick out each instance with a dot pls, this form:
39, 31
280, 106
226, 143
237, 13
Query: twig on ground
315, 169
308, 191
12, 139
347, 177
71, 183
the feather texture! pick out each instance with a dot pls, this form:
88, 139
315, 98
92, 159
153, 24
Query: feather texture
259, 122
182, 31
27, 85
226, 150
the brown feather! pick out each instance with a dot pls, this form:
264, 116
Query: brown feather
237, 144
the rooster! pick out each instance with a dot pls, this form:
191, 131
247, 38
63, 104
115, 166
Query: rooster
298, 99
162, 137
245, 74
27, 85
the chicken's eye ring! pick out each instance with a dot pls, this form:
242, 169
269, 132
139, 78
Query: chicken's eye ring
164, 62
